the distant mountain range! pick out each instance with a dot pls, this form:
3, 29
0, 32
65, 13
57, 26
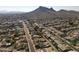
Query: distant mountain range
43, 13
10, 12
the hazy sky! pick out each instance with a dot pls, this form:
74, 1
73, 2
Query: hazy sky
31, 8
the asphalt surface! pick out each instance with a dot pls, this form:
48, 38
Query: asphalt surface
28, 37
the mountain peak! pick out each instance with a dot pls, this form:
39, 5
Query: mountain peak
44, 9
52, 9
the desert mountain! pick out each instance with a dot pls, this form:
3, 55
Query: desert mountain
43, 13
43, 9
50, 13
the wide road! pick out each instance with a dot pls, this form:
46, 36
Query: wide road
28, 37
